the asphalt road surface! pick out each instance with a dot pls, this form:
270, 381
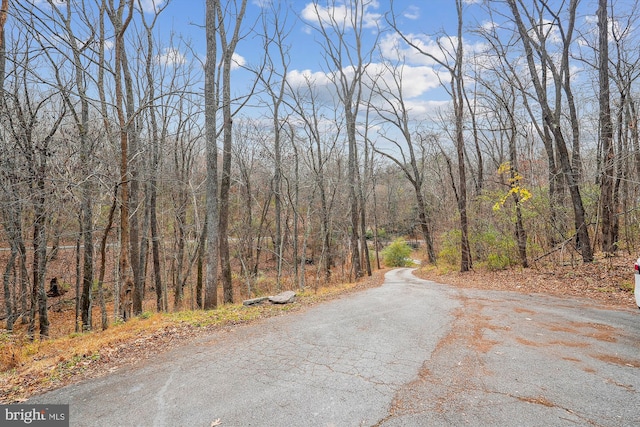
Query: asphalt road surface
409, 353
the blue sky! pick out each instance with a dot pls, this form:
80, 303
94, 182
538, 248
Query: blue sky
186, 18
422, 20
183, 20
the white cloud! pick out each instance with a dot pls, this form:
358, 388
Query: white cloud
340, 14
151, 6
489, 26
616, 31
45, 3
412, 12
171, 56
430, 50
422, 108
548, 31
262, 3
237, 61
298, 79
416, 81
393, 46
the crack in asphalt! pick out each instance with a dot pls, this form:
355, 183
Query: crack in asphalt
457, 380
410, 353
161, 403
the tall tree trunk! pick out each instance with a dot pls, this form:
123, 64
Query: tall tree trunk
324, 206
155, 246
521, 235
366, 260
103, 258
552, 119
277, 191
126, 284
180, 220
424, 226
228, 49
4, 10
457, 90
211, 107
6, 281
225, 187
4, 13
200, 264
78, 322
133, 157
356, 266
40, 253
607, 206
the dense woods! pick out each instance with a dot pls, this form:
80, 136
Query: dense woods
178, 184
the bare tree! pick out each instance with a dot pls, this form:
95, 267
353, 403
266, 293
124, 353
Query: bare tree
451, 59
211, 108
80, 115
322, 146
120, 19
607, 207
393, 110
8, 300
341, 27
4, 13
532, 34
625, 71
273, 76
505, 64
156, 136
34, 139
228, 43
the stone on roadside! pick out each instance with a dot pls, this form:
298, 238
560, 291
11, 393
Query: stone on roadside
254, 301
283, 298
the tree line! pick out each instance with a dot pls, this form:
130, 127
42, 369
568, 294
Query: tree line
169, 175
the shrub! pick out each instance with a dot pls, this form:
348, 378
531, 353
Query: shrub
497, 262
382, 234
397, 254
450, 252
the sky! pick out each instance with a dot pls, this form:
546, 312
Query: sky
185, 18
182, 21
423, 20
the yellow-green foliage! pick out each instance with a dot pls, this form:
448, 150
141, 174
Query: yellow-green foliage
515, 186
489, 247
397, 254
497, 262
450, 252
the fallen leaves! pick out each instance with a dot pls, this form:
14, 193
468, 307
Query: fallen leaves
608, 281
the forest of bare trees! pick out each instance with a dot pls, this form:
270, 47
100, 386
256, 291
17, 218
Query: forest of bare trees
176, 186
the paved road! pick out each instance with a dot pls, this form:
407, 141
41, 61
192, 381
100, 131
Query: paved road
410, 353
